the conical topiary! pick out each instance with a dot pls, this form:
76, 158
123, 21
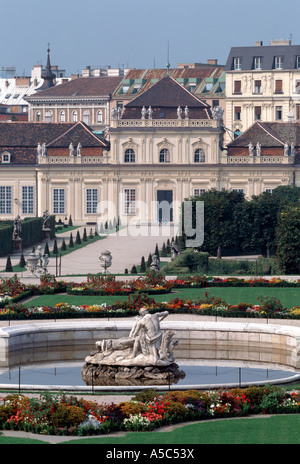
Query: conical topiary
133, 270
84, 237
63, 245
78, 239
22, 262
71, 243
149, 261
143, 265
8, 267
55, 249
70, 223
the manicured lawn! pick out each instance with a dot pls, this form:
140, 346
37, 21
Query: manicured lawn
282, 429
289, 297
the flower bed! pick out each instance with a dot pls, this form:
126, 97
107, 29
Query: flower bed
148, 410
151, 283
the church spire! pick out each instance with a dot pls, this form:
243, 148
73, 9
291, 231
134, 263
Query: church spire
48, 75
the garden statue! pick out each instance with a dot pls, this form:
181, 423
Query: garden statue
46, 218
17, 230
105, 260
37, 262
155, 264
147, 353
46, 225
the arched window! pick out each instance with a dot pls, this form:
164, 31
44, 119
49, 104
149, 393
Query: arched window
164, 156
5, 157
62, 116
199, 156
99, 117
48, 116
37, 116
129, 156
86, 117
74, 116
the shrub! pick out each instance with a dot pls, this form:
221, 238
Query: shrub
8, 267
67, 416
130, 408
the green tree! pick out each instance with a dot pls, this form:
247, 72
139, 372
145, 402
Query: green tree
288, 239
219, 227
84, 237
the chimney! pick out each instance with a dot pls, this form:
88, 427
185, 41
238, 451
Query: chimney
259, 43
212, 61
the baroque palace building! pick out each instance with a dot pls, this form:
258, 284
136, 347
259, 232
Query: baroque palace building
166, 145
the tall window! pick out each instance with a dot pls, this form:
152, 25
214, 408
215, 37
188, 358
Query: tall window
62, 116
74, 116
237, 87
164, 156
257, 113
278, 113
257, 86
59, 201
258, 62
278, 86
37, 116
298, 62
5, 199
199, 156
278, 64
86, 117
48, 116
237, 64
99, 116
129, 156
91, 201
27, 199
129, 201
237, 113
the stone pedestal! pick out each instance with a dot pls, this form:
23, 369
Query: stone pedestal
17, 244
46, 234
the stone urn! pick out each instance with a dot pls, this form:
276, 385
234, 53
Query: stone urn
105, 261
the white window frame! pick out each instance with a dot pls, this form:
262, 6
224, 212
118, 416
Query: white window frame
278, 110
86, 117
5, 199
278, 62
62, 116
129, 201
74, 116
59, 200
237, 63
298, 62
258, 63
91, 201
27, 199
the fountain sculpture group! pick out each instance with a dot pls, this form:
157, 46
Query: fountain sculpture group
144, 357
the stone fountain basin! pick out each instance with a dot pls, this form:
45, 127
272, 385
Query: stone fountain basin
204, 340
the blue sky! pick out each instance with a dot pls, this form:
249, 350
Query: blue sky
135, 33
